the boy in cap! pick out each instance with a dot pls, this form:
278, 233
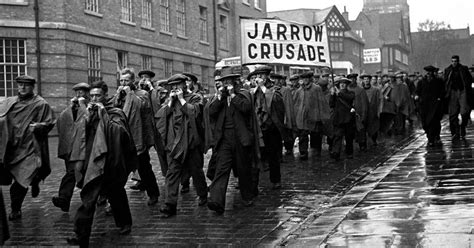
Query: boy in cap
374, 97
25, 121
66, 132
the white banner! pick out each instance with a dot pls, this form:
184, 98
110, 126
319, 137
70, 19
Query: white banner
267, 41
372, 56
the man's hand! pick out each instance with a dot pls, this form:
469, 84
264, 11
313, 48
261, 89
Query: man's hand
127, 89
179, 93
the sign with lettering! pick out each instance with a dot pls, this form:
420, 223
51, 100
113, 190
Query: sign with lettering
372, 56
276, 41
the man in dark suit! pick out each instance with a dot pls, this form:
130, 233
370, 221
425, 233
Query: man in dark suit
459, 95
234, 140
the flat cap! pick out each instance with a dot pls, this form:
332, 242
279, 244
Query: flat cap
307, 74
251, 74
294, 77
399, 75
146, 72
161, 82
364, 75
471, 68
339, 79
81, 86
276, 76
265, 69
25, 79
177, 78
352, 75
379, 72
430, 68
229, 76
191, 76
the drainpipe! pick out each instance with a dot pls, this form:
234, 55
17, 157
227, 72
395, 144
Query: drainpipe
216, 29
38, 47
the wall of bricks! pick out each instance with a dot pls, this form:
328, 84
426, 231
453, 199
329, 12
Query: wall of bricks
67, 29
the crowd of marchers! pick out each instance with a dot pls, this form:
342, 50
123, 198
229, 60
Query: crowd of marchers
249, 124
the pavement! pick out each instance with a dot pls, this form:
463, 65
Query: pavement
314, 193
419, 197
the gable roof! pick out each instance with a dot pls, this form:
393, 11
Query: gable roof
312, 16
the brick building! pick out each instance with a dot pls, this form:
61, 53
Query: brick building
385, 27
90, 39
345, 46
436, 48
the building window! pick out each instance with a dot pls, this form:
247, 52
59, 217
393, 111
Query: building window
398, 55
92, 5
257, 4
203, 24
12, 65
146, 13
181, 17
93, 64
359, 32
400, 34
14, 2
146, 62
122, 62
405, 59
127, 12
168, 68
188, 67
223, 41
356, 51
165, 15
336, 41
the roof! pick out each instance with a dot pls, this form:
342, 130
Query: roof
312, 16
352, 35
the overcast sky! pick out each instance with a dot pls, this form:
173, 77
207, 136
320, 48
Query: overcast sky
457, 13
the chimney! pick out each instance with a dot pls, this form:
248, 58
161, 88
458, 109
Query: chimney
345, 14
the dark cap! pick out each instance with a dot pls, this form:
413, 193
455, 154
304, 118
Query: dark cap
191, 76
307, 74
177, 79
339, 79
229, 76
146, 72
364, 75
161, 82
471, 69
25, 79
276, 76
81, 86
295, 77
251, 74
399, 75
378, 72
352, 75
430, 68
265, 69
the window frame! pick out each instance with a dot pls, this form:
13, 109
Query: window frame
168, 67
19, 64
147, 62
181, 18
203, 24
147, 13
126, 13
224, 34
92, 6
94, 72
165, 16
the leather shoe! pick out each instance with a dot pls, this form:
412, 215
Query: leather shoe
35, 190
168, 210
108, 210
73, 241
202, 200
14, 215
60, 203
138, 186
185, 189
152, 201
215, 207
125, 230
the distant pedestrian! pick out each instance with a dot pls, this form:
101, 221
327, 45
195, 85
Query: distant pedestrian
430, 94
374, 96
25, 121
459, 95
343, 113
66, 132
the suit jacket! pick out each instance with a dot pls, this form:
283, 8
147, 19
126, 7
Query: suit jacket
466, 79
241, 109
